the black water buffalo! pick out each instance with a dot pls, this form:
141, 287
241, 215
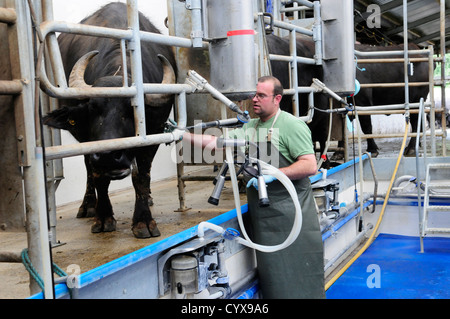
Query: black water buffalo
389, 73
374, 73
107, 118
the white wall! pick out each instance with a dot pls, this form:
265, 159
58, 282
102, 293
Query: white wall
74, 11
73, 186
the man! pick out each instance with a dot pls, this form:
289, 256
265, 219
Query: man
296, 271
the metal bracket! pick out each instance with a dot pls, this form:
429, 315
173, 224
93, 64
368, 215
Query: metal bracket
186, 248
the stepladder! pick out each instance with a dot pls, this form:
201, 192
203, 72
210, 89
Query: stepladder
435, 218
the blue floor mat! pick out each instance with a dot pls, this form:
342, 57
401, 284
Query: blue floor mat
393, 268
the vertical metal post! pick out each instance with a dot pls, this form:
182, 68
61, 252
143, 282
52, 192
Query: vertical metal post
419, 195
197, 32
443, 101
22, 66
53, 48
181, 119
433, 106
136, 69
293, 72
317, 37
54, 169
124, 63
405, 56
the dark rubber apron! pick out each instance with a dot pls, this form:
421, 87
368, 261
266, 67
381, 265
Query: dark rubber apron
298, 270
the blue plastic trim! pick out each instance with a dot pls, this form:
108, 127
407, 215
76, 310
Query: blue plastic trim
143, 253
251, 292
336, 169
344, 221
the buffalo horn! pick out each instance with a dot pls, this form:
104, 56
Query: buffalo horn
76, 78
168, 78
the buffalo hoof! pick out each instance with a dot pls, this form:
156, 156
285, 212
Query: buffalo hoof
108, 225
373, 154
154, 229
141, 230
409, 152
97, 227
84, 212
337, 156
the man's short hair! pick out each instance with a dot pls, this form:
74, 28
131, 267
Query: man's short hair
277, 87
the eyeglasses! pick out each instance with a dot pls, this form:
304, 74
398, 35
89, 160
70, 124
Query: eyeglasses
261, 96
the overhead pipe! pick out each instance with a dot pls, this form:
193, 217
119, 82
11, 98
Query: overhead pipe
61, 151
8, 15
395, 52
305, 3
391, 60
48, 28
13, 87
288, 26
285, 58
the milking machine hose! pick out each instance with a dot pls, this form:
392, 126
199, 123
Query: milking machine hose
246, 241
238, 121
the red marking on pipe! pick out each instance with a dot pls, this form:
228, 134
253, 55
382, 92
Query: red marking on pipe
240, 32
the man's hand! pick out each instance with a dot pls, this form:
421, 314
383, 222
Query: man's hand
254, 181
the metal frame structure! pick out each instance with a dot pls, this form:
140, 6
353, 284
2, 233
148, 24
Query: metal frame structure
400, 108
294, 59
378, 57
261, 20
32, 153
33, 156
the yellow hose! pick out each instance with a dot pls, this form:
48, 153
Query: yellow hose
380, 218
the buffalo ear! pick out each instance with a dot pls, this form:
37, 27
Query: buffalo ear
67, 118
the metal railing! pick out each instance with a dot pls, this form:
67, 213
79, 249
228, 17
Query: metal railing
135, 92
32, 155
293, 59
401, 108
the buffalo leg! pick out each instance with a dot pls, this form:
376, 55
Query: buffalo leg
321, 136
87, 208
104, 220
150, 198
411, 148
144, 226
365, 122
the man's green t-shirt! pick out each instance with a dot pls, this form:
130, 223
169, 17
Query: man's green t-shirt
291, 136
